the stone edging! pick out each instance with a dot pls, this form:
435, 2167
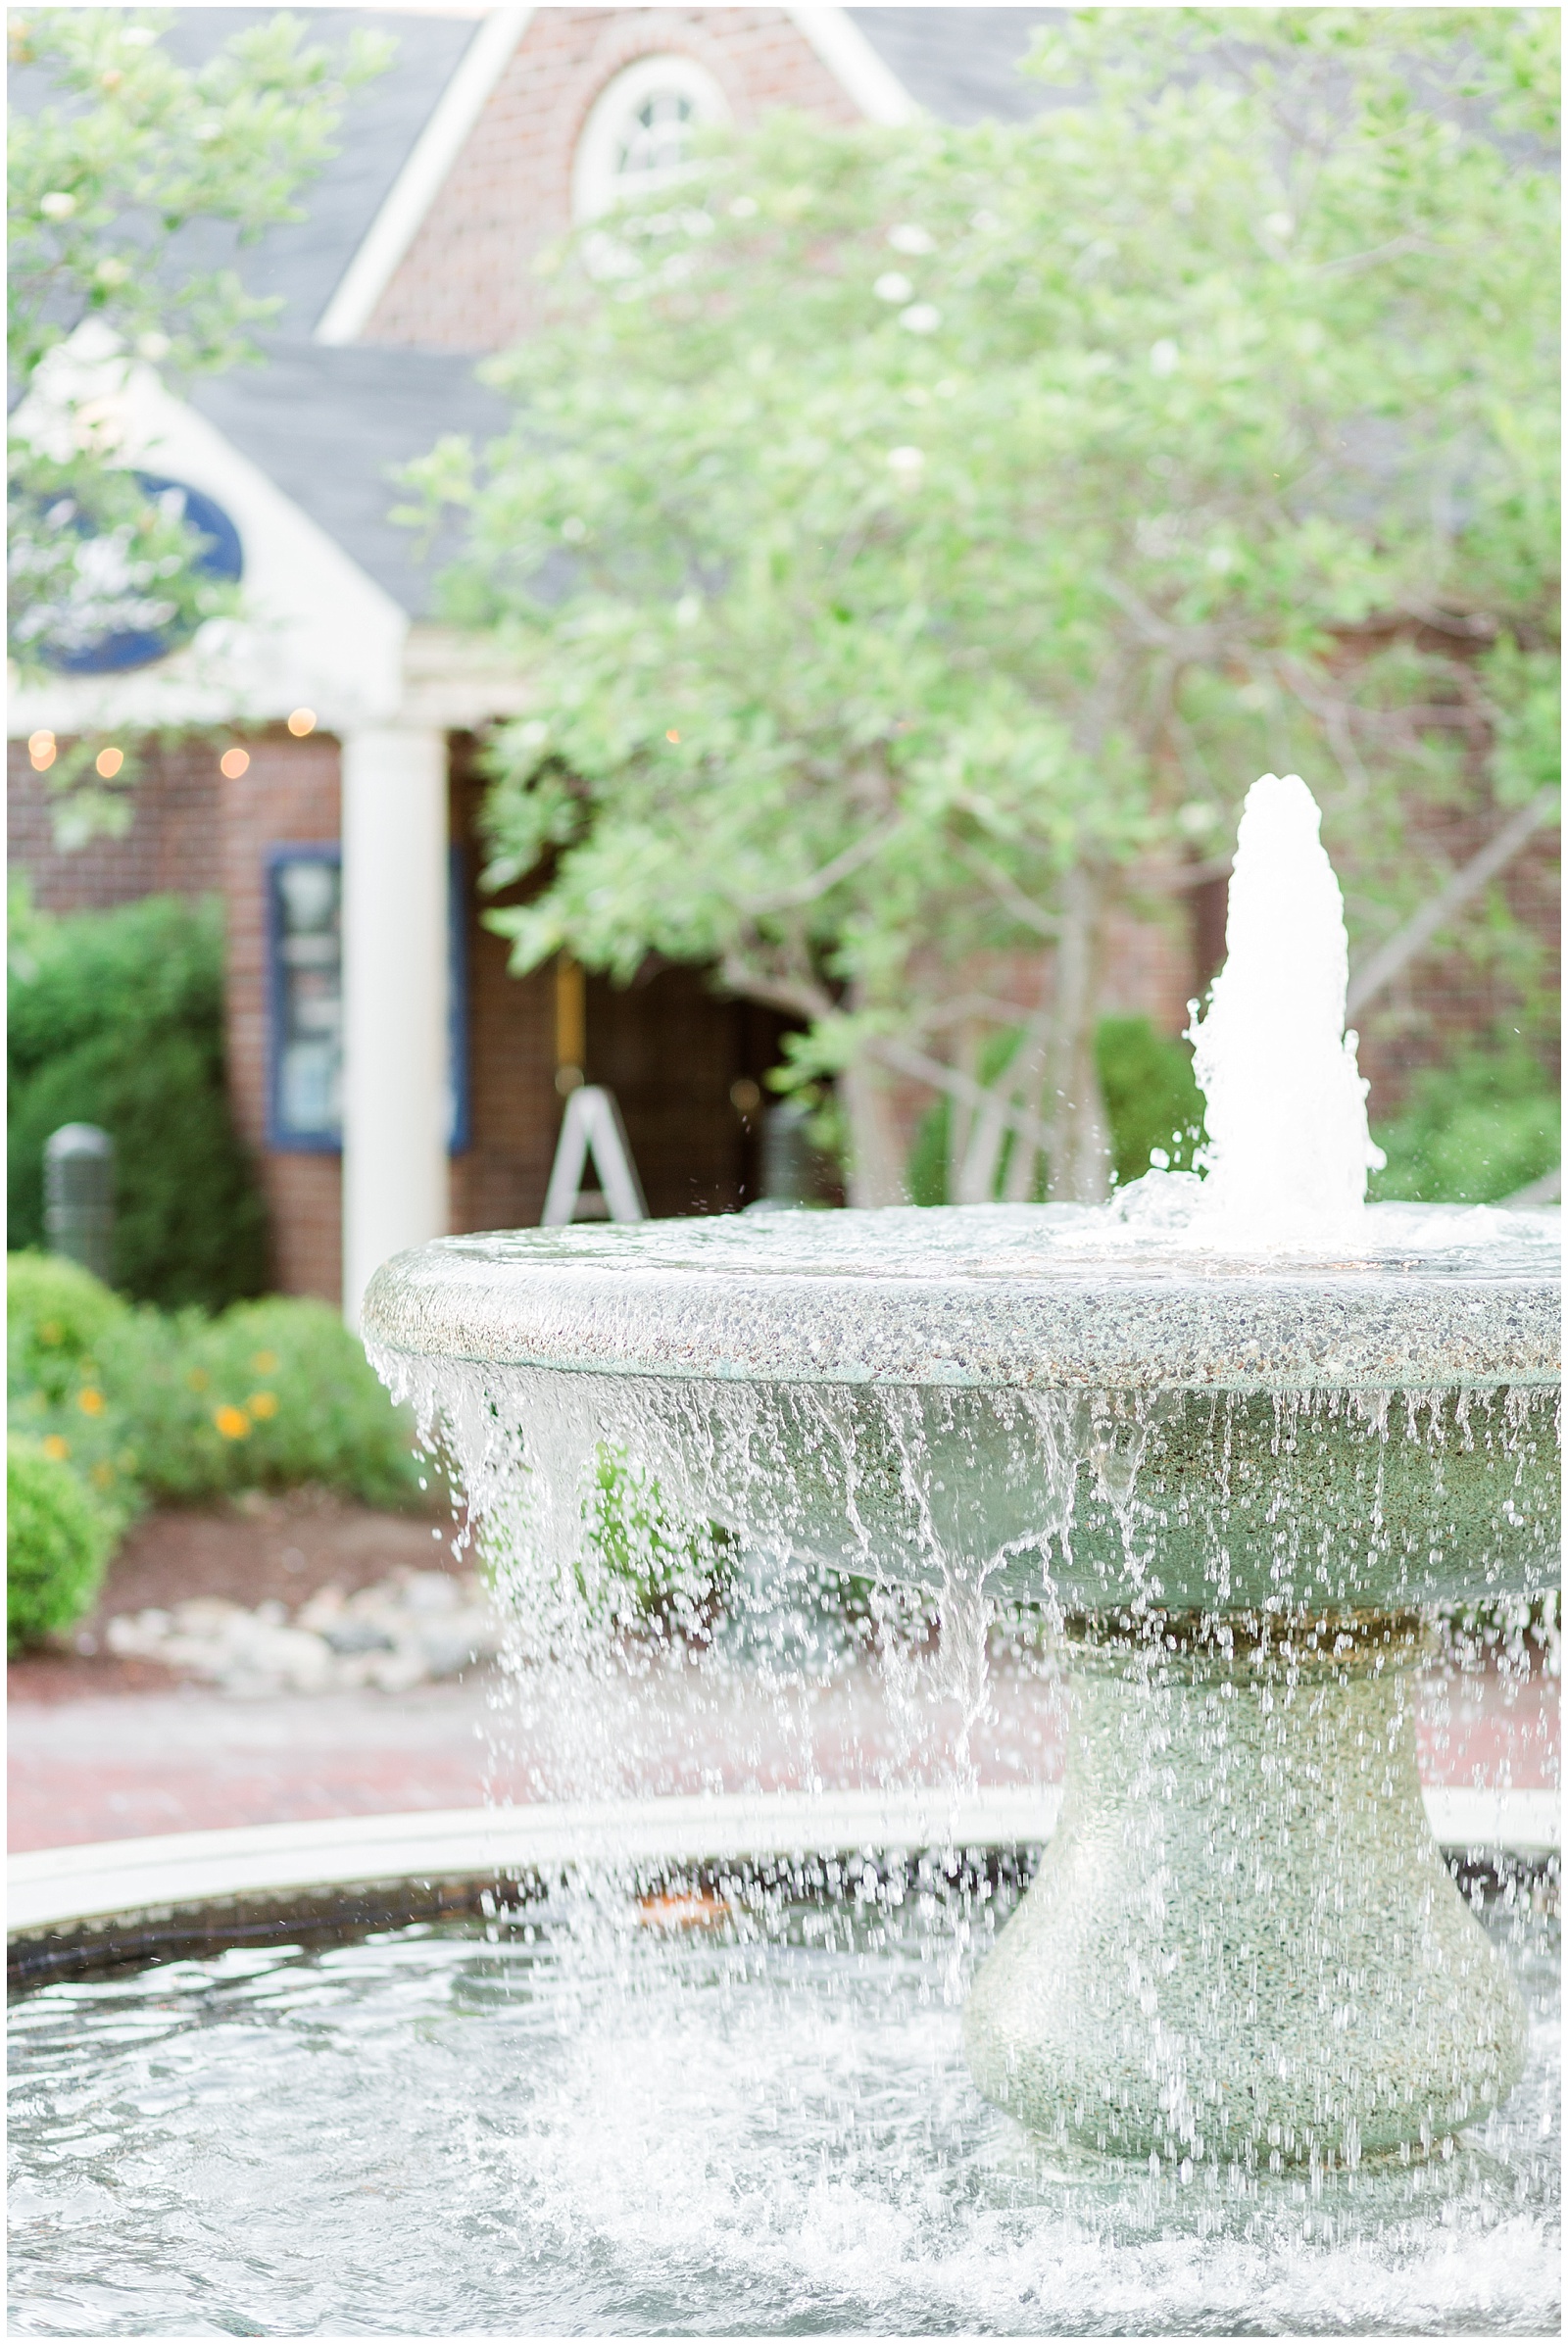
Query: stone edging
54, 1887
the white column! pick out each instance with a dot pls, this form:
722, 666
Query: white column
395, 1087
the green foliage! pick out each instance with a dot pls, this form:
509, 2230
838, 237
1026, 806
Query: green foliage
920, 538
57, 1314
1474, 1131
181, 1408
642, 1566
121, 1023
269, 1395
1151, 1101
57, 1545
927, 1174
118, 186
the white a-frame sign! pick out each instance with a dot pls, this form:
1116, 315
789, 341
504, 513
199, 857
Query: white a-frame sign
592, 1125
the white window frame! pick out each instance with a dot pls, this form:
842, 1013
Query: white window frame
596, 187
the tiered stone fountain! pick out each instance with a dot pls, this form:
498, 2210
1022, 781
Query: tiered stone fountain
1237, 1436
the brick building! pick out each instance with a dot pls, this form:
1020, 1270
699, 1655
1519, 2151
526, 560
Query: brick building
394, 1080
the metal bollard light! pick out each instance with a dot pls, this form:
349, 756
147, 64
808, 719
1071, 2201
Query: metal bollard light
794, 1171
78, 1191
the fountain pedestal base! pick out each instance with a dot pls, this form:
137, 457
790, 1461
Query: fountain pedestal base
1243, 1944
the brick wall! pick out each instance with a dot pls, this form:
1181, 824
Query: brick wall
195, 833
1451, 993
173, 846
289, 795
466, 282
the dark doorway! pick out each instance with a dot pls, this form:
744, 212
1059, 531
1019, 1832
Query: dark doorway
687, 1067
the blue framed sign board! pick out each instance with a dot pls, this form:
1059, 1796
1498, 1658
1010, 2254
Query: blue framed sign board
305, 1000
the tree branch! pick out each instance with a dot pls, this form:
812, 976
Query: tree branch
1008, 895
899, 1056
808, 890
788, 993
1402, 947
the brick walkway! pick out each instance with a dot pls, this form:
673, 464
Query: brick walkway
186, 1759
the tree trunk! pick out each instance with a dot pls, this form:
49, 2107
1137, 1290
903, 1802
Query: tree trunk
1080, 1140
960, 1116
876, 1156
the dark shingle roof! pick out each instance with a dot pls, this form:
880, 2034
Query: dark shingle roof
382, 120
961, 63
328, 424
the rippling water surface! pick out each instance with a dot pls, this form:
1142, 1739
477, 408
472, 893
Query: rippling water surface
610, 2117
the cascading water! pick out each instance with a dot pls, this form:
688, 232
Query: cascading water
1206, 1459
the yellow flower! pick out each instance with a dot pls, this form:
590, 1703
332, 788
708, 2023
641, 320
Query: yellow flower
54, 1447
90, 1401
262, 1405
265, 1363
50, 1331
197, 1379
232, 1423
103, 1472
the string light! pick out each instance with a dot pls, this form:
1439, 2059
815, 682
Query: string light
234, 762
109, 761
301, 722
41, 750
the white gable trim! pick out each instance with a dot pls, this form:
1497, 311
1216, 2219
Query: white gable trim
423, 177
313, 629
850, 57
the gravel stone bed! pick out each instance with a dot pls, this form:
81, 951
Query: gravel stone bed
409, 1629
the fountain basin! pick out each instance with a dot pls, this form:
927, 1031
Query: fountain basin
1236, 1476
1003, 1390
543, 2112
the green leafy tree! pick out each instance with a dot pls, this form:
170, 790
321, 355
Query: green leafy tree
112, 182
919, 539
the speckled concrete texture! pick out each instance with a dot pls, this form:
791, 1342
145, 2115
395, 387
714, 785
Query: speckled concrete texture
1243, 1944
1017, 1296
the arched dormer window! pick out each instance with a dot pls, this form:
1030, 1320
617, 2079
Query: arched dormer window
637, 139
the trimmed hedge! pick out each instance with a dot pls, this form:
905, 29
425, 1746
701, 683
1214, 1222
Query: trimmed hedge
116, 1018
58, 1544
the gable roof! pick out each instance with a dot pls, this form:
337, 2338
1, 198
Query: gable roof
328, 418
961, 64
328, 425
383, 121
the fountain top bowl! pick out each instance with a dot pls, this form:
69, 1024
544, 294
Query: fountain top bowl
993, 1296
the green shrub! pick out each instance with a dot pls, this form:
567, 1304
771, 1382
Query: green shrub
1151, 1101
269, 1395
1473, 1132
183, 1408
646, 1567
116, 1018
56, 1316
57, 1541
